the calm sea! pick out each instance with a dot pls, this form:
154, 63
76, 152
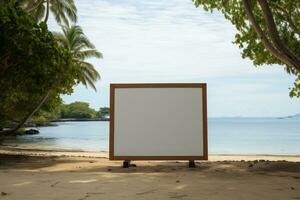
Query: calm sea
226, 136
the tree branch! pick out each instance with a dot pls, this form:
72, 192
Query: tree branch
274, 35
288, 18
268, 45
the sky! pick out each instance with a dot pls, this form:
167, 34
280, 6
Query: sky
171, 41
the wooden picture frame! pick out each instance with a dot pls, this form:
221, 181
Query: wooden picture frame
113, 87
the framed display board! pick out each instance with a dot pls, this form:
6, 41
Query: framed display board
158, 121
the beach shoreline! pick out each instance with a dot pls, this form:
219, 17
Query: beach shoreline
104, 154
39, 174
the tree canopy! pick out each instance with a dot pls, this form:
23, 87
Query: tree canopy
32, 64
268, 32
103, 113
77, 110
63, 10
35, 69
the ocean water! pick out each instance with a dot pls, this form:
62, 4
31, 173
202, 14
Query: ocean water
225, 136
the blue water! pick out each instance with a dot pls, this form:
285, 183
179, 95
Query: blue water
254, 136
226, 136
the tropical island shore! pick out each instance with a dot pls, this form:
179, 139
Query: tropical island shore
39, 174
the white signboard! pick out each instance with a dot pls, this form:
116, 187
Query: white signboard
158, 122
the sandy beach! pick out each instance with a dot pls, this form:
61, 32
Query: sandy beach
35, 175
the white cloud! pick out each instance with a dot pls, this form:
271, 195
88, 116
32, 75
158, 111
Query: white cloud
172, 41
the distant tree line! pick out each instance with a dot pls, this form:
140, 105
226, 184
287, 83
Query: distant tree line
82, 110
77, 110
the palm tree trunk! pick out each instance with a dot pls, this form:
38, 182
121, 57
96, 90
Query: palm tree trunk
47, 11
28, 116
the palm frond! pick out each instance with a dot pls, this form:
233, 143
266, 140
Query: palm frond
61, 39
89, 54
69, 8
56, 13
81, 48
80, 41
39, 12
63, 10
91, 83
90, 71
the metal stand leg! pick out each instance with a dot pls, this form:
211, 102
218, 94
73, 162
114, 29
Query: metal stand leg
192, 164
126, 163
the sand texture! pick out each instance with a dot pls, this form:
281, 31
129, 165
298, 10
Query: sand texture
43, 175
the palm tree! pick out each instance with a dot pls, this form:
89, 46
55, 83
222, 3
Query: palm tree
63, 10
81, 48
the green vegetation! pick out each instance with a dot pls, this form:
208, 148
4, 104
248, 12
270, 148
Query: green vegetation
268, 31
103, 113
81, 110
81, 48
77, 110
36, 67
295, 91
63, 10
